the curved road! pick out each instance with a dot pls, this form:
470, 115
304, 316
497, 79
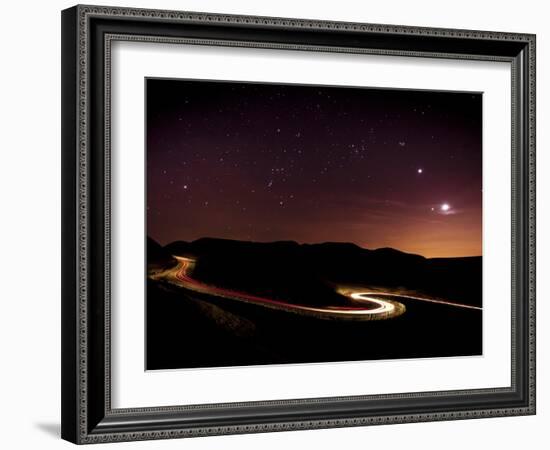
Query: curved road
373, 309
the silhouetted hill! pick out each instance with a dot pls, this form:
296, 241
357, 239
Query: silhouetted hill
308, 271
156, 254
179, 248
215, 331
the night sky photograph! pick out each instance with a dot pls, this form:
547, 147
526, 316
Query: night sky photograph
339, 213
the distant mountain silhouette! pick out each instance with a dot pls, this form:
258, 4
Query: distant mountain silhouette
307, 271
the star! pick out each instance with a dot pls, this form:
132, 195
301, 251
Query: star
420, 170
445, 207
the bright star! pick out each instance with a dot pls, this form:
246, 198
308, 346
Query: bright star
445, 207
420, 171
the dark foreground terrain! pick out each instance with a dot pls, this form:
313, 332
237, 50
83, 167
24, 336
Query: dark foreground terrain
187, 328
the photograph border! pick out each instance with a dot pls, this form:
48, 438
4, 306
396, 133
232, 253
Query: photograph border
292, 85
87, 35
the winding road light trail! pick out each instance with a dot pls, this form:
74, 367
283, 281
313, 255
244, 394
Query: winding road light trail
378, 309
375, 308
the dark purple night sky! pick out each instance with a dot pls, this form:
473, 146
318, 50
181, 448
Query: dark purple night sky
266, 162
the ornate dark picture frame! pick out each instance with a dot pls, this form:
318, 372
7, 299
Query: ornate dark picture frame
87, 34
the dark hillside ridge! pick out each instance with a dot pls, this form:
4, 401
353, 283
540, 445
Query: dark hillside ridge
270, 268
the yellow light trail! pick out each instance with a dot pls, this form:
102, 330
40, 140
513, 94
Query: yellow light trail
364, 296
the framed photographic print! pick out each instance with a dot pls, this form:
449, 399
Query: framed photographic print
277, 224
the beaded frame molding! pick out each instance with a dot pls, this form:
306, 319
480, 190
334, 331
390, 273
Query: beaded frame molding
87, 35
